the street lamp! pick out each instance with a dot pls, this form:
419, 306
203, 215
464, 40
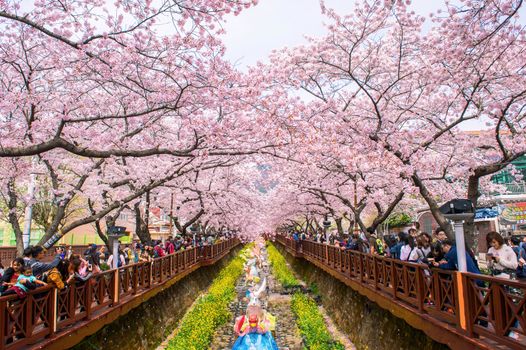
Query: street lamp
114, 233
193, 230
459, 210
326, 225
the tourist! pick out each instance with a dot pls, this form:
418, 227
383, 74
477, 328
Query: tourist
10, 275
407, 247
27, 254
450, 260
396, 249
69, 253
78, 270
25, 281
59, 276
91, 255
145, 254
121, 260
417, 254
376, 245
426, 243
437, 253
169, 247
440, 235
520, 252
502, 260
158, 251
39, 267
413, 232
103, 254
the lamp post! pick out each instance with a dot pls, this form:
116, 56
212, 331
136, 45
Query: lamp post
114, 233
326, 225
459, 210
193, 230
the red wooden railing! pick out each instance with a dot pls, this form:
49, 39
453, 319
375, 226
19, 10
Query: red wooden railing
7, 254
488, 313
46, 311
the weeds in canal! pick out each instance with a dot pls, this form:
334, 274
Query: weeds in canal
312, 325
211, 311
280, 269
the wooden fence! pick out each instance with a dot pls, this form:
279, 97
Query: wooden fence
47, 312
467, 310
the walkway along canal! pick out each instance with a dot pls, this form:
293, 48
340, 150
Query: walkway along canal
448, 306
52, 319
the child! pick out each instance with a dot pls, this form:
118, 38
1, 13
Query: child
20, 287
11, 274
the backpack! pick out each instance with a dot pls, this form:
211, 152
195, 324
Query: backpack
379, 247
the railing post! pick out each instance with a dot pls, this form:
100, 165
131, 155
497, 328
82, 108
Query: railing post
52, 311
135, 278
116, 287
28, 311
468, 306
420, 288
362, 265
375, 273
3, 320
394, 280
150, 281
437, 297
88, 290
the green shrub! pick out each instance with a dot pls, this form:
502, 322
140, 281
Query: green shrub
210, 311
312, 325
279, 268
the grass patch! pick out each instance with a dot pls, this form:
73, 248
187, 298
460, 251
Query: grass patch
210, 311
312, 325
279, 268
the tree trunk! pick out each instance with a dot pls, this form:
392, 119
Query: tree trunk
384, 215
469, 225
101, 235
141, 228
339, 225
433, 206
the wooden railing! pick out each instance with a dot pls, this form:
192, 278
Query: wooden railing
7, 254
46, 312
482, 309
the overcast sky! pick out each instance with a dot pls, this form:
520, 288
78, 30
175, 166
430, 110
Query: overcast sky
274, 24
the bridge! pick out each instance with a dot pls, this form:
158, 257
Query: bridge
59, 319
450, 307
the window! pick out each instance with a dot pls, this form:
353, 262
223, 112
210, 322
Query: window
428, 224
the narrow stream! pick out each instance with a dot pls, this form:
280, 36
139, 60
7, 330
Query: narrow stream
277, 301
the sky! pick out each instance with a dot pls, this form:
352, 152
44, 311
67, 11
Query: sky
274, 24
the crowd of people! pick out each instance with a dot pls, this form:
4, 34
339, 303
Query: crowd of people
31, 271
505, 258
